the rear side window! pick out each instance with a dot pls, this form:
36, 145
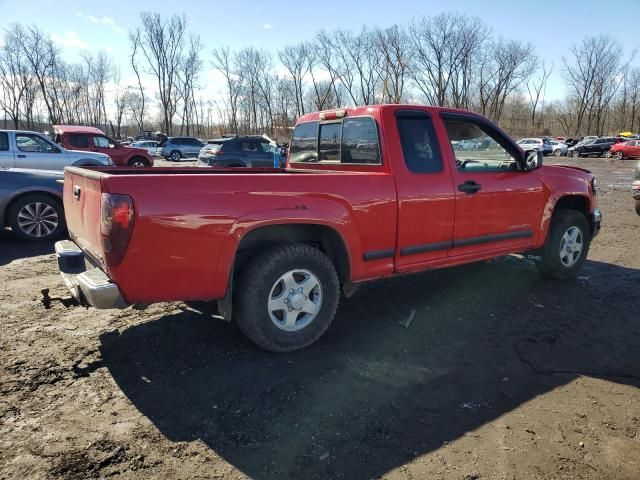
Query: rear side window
78, 140
250, 147
420, 148
4, 142
304, 143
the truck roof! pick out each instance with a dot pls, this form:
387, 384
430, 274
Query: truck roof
371, 109
77, 129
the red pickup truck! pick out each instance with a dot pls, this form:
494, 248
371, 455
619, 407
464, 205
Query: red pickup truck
368, 192
75, 137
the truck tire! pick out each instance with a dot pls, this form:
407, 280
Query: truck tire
567, 245
286, 297
138, 162
36, 218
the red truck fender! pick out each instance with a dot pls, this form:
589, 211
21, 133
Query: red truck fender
330, 216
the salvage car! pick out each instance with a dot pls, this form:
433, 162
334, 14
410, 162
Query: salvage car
23, 149
622, 150
92, 139
595, 147
177, 148
236, 151
31, 203
368, 192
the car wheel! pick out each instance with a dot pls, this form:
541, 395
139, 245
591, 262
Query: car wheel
175, 156
618, 155
138, 162
607, 154
575, 154
37, 217
638, 207
557, 152
567, 245
286, 297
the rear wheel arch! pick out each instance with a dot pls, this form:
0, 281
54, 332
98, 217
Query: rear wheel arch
327, 239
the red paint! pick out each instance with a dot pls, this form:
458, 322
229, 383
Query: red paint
121, 155
630, 149
189, 222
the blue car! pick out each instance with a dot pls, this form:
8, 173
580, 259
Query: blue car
31, 203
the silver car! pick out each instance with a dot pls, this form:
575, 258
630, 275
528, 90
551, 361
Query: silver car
150, 146
22, 149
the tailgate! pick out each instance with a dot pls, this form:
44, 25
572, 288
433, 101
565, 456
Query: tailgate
82, 203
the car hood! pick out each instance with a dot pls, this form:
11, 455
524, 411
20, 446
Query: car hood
85, 154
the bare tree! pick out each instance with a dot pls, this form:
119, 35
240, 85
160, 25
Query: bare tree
161, 44
296, 60
393, 45
535, 88
224, 62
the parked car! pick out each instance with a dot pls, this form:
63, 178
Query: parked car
629, 149
541, 144
177, 148
246, 151
92, 139
594, 147
636, 188
558, 149
31, 203
151, 146
369, 192
23, 149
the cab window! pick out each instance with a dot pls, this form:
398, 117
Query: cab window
78, 140
488, 153
4, 142
101, 142
419, 144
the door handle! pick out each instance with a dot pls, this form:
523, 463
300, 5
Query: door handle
469, 187
22, 156
76, 192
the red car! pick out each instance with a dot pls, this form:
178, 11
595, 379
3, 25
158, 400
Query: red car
74, 137
368, 192
629, 149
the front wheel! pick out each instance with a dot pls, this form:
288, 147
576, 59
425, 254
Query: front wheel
175, 156
567, 245
557, 152
575, 154
619, 155
286, 297
138, 162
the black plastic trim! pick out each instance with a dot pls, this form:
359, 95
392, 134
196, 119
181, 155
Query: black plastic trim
425, 247
465, 242
378, 254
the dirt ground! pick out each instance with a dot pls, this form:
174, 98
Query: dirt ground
500, 375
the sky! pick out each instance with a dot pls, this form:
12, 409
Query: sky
552, 27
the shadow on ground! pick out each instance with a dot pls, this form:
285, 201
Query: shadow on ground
372, 394
12, 248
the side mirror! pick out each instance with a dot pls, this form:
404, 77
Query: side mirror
533, 159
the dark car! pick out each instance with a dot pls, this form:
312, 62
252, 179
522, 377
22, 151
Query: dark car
177, 148
596, 147
31, 203
246, 151
636, 189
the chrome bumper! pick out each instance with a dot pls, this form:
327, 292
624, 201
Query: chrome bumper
89, 286
597, 222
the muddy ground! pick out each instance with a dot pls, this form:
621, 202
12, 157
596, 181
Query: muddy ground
501, 374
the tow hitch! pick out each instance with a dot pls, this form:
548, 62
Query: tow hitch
68, 301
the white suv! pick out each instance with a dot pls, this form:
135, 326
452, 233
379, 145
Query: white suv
21, 149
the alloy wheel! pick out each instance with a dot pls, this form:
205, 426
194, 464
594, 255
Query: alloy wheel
38, 219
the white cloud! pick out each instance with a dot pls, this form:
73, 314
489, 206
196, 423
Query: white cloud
267, 26
69, 39
108, 21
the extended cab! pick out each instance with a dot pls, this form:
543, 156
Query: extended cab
92, 139
368, 192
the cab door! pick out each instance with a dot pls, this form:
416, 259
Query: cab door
34, 151
426, 198
498, 205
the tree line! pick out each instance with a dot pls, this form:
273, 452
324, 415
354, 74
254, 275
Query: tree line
450, 60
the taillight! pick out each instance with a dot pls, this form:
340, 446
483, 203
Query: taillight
116, 225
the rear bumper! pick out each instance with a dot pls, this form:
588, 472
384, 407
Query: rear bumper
88, 284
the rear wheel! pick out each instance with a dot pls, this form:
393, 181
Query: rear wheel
567, 245
37, 217
138, 162
286, 297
